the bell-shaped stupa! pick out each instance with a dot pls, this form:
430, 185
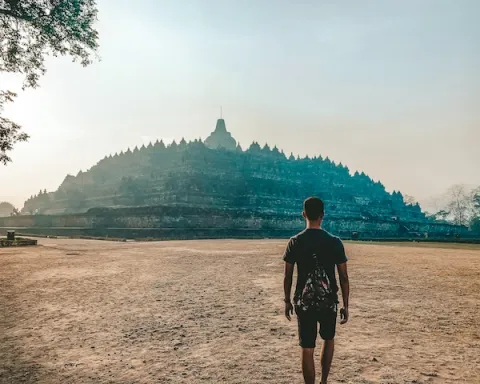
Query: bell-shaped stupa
221, 138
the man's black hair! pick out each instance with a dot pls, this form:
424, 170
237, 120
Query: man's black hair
313, 208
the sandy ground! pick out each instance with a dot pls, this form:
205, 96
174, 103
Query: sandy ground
76, 311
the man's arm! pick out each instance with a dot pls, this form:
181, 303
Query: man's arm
287, 288
345, 285
290, 258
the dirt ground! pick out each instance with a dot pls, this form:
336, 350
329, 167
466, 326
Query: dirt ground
77, 311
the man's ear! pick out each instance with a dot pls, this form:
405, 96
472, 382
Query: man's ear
304, 215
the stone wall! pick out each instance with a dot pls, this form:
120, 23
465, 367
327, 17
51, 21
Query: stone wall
188, 222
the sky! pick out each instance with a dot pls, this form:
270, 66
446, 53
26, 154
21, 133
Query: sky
388, 87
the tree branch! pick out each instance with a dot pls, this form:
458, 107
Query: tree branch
7, 12
17, 16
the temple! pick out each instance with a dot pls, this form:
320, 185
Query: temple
217, 185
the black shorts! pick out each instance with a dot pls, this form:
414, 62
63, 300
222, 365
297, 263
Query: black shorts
307, 326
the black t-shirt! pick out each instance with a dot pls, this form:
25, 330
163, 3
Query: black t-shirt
301, 248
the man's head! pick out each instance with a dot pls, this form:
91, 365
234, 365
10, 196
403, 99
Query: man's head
313, 210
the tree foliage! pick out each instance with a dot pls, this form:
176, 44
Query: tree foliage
459, 204
476, 200
31, 30
475, 223
462, 206
10, 132
409, 200
7, 209
442, 215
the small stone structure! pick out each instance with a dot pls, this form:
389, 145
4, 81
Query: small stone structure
18, 242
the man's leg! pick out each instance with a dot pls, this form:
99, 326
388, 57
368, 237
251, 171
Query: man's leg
327, 356
308, 366
307, 334
328, 321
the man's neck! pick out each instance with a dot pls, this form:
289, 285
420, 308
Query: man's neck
314, 225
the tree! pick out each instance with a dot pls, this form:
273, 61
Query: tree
30, 30
6, 209
441, 215
10, 132
475, 222
476, 200
459, 204
409, 200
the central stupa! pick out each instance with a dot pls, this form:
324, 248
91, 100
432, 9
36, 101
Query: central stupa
221, 138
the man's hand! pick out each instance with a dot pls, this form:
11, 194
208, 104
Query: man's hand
288, 310
343, 315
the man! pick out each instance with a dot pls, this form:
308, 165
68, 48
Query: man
311, 246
